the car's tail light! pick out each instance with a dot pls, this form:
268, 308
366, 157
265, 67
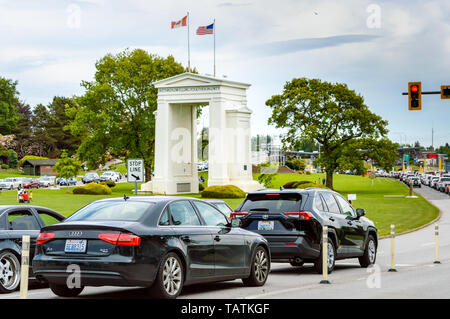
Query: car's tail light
300, 215
238, 214
120, 239
44, 237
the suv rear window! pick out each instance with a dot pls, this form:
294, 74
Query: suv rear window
272, 202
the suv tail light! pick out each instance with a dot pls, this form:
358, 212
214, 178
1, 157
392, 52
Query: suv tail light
300, 215
238, 214
120, 239
44, 237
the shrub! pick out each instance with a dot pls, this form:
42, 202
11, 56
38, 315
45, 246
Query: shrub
302, 185
226, 191
93, 189
200, 187
5, 166
110, 184
296, 164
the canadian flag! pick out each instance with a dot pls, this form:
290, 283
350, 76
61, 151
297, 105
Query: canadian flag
181, 23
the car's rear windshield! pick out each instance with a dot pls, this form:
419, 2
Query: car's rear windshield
114, 210
272, 202
445, 179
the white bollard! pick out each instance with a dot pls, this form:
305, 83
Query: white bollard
436, 235
325, 256
392, 269
24, 267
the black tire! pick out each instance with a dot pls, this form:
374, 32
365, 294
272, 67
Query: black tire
318, 263
9, 271
370, 253
64, 291
176, 278
260, 268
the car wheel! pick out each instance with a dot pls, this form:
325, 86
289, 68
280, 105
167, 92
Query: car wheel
331, 259
64, 291
9, 272
260, 269
370, 253
169, 279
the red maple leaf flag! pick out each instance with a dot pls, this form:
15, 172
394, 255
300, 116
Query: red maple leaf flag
180, 23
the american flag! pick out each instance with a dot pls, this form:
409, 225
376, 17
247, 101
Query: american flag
209, 29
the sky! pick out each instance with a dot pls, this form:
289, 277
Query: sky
375, 47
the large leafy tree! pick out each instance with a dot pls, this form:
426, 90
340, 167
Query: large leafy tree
8, 106
67, 167
116, 111
329, 113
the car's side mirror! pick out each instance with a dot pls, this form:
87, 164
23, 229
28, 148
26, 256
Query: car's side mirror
360, 212
236, 222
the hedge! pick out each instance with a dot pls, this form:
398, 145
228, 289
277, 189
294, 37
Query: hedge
108, 183
225, 191
302, 185
93, 189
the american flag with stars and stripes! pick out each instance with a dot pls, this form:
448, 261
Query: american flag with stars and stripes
209, 29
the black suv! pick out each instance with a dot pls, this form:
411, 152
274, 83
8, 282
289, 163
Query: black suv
291, 220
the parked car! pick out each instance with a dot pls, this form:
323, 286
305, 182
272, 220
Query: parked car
292, 221
440, 183
90, 178
11, 183
47, 181
72, 181
15, 221
31, 183
415, 181
110, 176
163, 243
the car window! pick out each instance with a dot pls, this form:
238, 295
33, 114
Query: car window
183, 214
224, 208
346, 207
164, 220
48, 218
112, 210
331, 203
318, 203
210, 215
272, 202
22, 220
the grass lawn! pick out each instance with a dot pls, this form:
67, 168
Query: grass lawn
405, 213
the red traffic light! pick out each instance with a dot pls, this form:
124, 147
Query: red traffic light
414, 88
414, 96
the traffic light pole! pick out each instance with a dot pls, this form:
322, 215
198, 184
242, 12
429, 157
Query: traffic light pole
429, 92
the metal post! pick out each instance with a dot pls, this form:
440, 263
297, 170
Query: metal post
411, 188
392, 269
25, 267
325, 256
135, 188
436, 234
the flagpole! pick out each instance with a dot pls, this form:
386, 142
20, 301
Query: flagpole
214, 29
189, 47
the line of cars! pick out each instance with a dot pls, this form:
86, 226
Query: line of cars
437, 180
11, 183
164, 242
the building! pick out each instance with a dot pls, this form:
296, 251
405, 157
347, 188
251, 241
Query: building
39, 167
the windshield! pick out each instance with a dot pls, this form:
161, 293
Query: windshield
273, 203
112, 210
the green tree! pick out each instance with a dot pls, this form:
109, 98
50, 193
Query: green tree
8, 108
12, 159
67, 167
116, 114
330, 114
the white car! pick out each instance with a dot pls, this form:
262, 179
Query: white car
47, 181
11, 183
110, 176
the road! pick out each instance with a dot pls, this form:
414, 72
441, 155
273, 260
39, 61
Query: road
416, 277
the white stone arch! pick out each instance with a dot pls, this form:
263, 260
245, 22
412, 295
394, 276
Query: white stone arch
229, 150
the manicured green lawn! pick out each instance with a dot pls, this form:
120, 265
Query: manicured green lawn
405, 213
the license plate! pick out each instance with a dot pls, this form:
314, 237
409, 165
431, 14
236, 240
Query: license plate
75, 246
265, 225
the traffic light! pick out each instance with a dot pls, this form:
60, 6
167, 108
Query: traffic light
445, 92
414, 96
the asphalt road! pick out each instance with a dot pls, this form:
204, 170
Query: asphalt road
417, 276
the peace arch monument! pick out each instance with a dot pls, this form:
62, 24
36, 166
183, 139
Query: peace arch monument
229, 153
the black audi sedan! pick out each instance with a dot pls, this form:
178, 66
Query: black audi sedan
16, 221
292, 221
162, 243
